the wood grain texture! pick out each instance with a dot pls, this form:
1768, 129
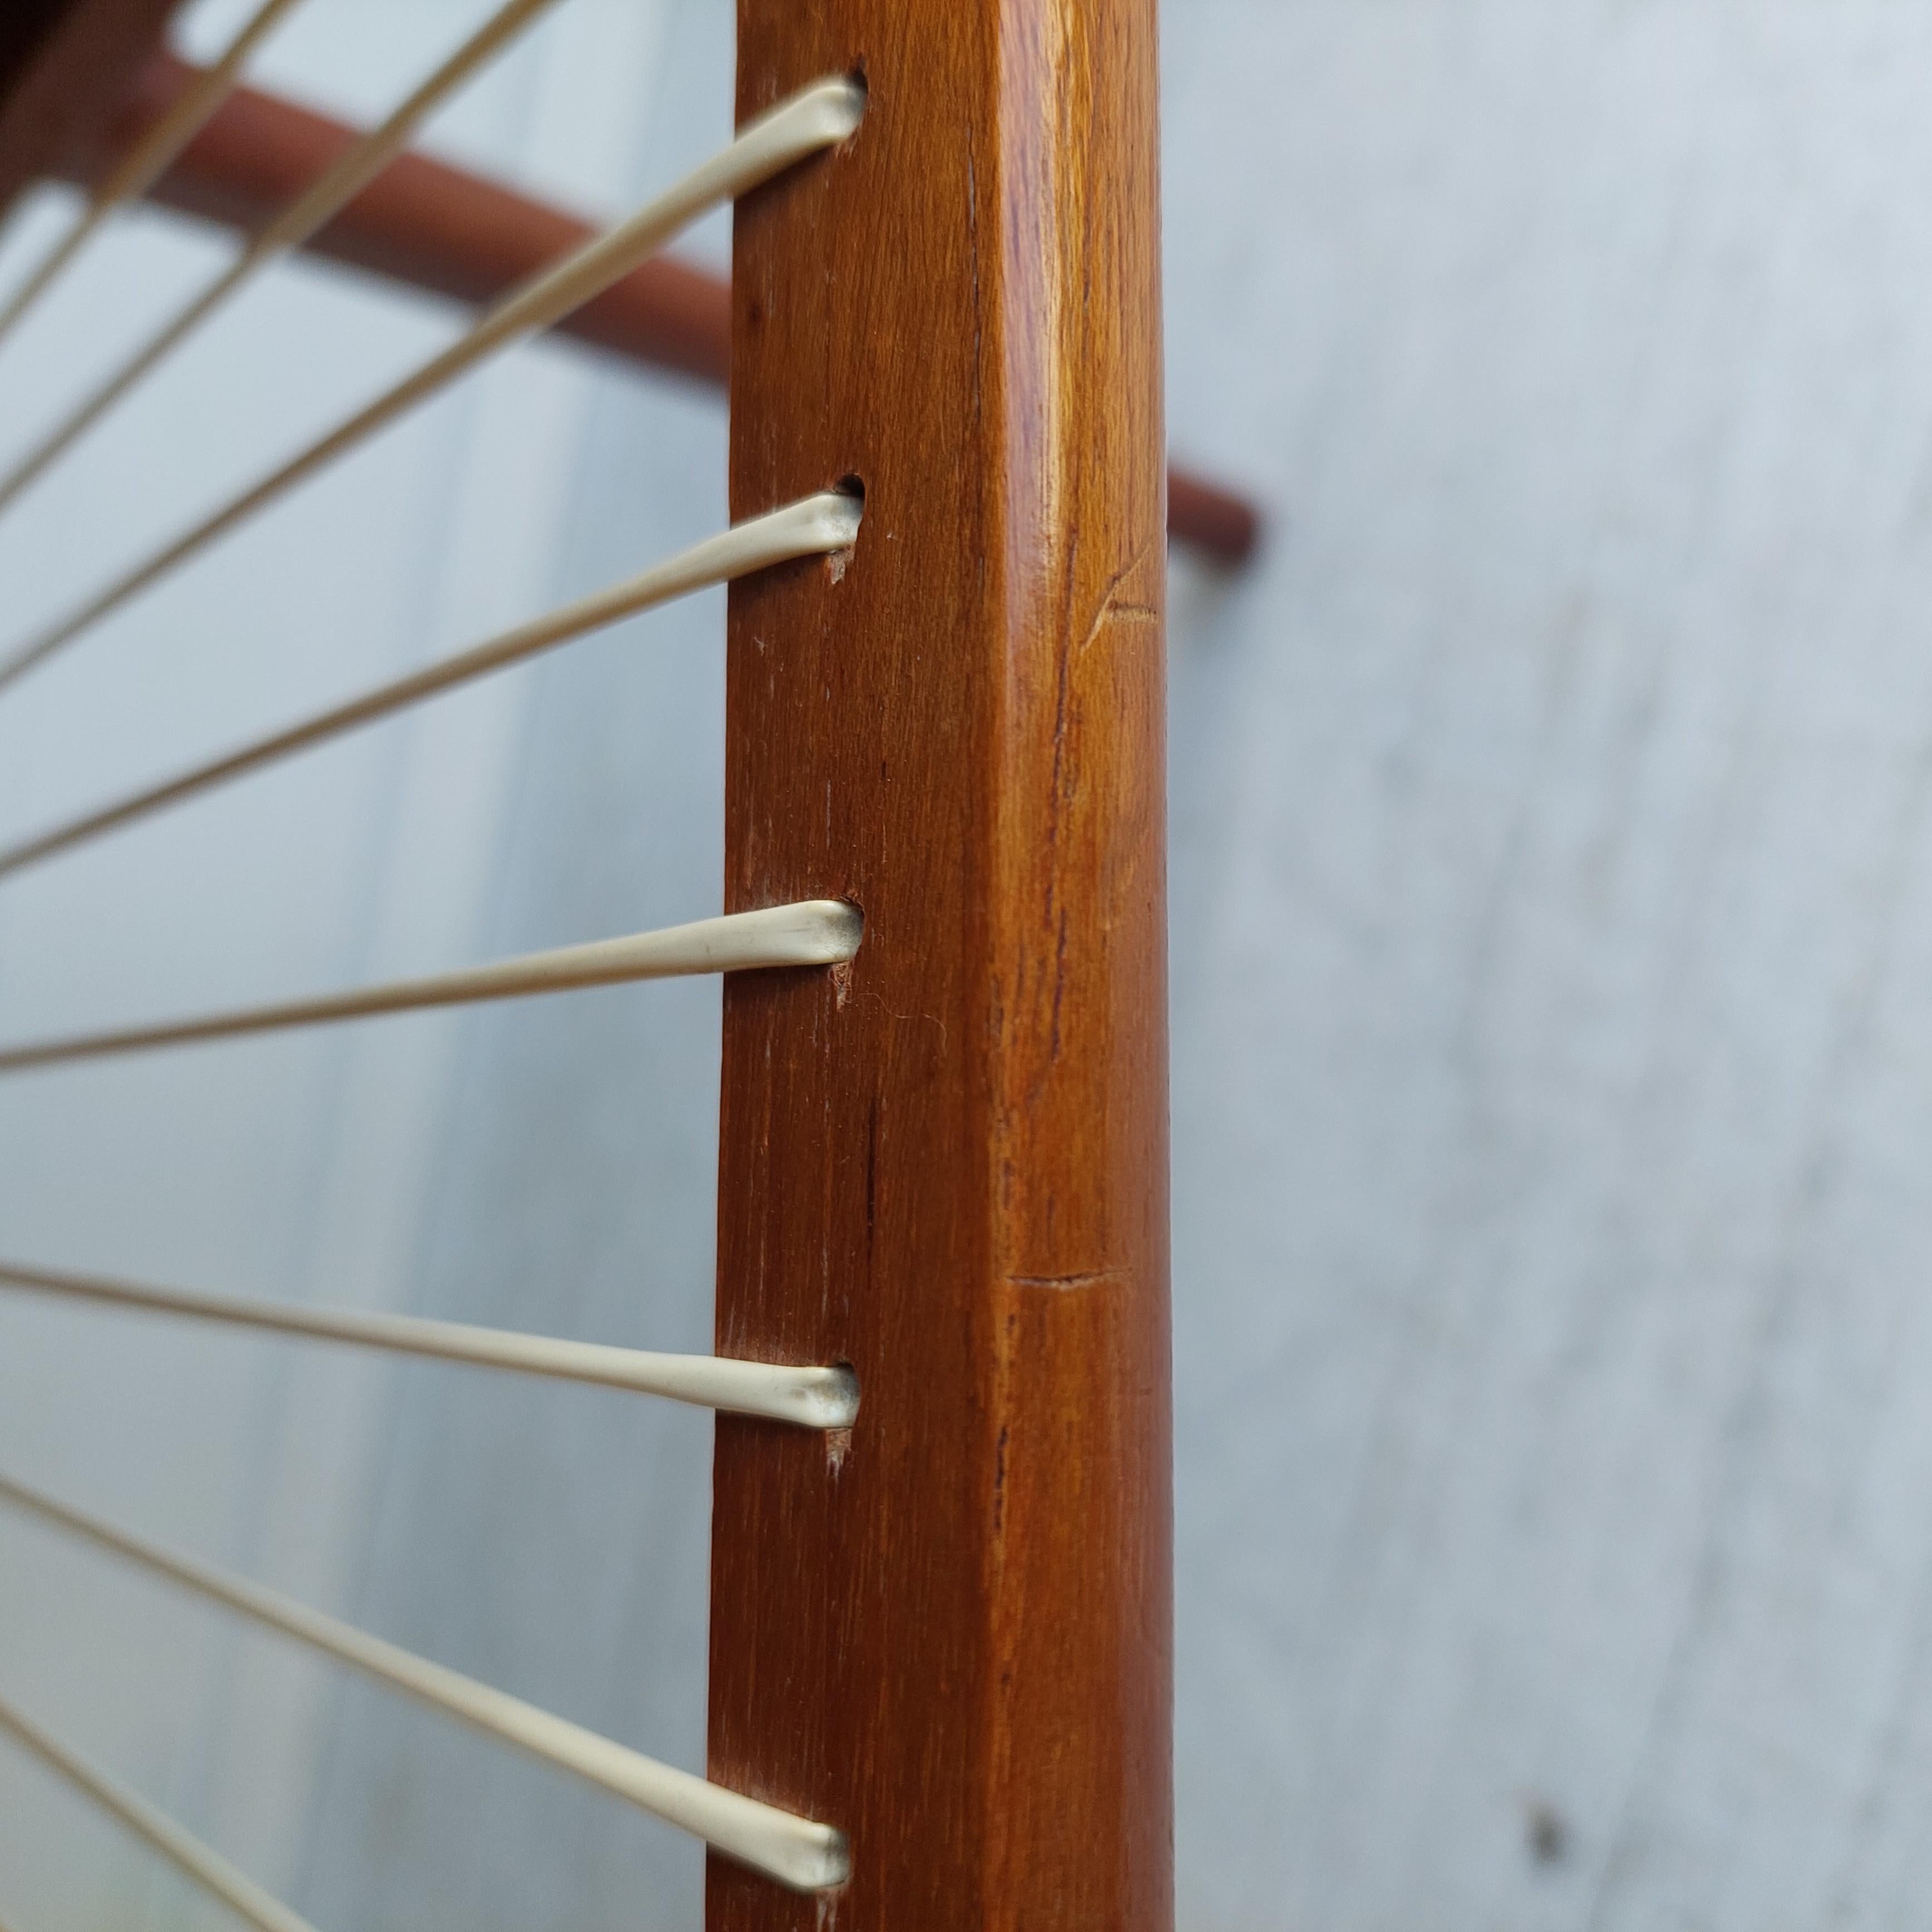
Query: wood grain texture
442, 228
947, 1165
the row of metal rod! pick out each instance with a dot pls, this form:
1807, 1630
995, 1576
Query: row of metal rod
820, 525
301, 219
427, 225
816, 118
148, 158
797, 1851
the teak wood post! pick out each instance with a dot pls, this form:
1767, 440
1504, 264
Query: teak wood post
947, 1164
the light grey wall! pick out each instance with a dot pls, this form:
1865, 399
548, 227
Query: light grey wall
326, 1168
1553, 964
1553, 1079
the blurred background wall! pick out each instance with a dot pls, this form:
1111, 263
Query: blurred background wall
549, 1167
1552, 944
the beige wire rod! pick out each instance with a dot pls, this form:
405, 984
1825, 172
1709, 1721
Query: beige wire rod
814, 932
331, 190
207, 1868
814, 1398
797, 1852
818, 525
818, 117
148, 159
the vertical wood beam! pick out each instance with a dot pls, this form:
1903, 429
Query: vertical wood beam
947, 1165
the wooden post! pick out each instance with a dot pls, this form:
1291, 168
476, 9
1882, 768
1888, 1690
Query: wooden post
947, 1165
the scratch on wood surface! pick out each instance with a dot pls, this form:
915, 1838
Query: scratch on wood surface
1067, 1283
927, 1019
1107, 608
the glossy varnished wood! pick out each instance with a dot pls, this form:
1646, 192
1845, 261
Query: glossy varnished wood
946, 1164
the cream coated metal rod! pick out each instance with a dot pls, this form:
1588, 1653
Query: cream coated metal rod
817, 118
814, 932
310, 211
819, 526
797, 1852
813, 1398
147, 159
207, 1868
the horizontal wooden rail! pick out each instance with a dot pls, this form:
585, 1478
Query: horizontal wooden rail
441, 229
